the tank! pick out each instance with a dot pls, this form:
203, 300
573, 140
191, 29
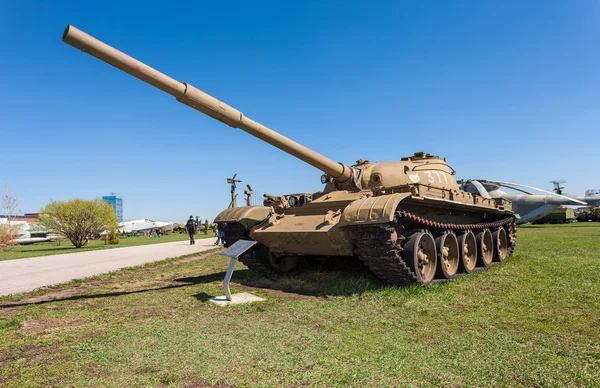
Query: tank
407, 221
590, 213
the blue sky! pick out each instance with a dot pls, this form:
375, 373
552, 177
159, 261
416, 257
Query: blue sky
504, 90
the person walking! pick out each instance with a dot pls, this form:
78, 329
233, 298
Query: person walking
191, 228
220, 233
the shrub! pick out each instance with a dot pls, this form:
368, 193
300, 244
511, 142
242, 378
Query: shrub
8, 235
113, 237
78, 220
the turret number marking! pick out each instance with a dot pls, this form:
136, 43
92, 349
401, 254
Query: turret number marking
441, 176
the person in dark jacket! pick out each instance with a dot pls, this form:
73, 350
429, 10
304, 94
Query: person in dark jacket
191, 229
221, 233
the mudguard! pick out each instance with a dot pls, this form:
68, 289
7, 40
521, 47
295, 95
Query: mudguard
245, 215
372, 210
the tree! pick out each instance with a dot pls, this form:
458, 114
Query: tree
78, 220
10, 206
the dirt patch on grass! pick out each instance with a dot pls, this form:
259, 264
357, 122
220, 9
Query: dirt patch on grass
272, 292
28, 352
50, 324
203, 383
63, 294
11, 307
206, 254
24, 356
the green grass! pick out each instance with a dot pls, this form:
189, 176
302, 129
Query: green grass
534, 321
51, 248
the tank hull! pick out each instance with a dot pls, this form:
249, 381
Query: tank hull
306, 232
376, 229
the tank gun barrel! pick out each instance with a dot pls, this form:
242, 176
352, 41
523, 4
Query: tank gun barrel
197, 99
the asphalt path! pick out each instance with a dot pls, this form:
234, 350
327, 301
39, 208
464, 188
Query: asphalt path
24, 275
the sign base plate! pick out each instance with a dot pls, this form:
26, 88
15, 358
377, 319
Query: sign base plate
240, 298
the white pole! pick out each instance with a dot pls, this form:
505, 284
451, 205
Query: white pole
228, 278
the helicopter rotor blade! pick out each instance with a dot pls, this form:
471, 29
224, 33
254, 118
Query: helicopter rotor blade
514, 188
484, 193
505, 185
509, 184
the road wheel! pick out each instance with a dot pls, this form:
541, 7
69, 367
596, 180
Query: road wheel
485, 248
500, 245
282, 264
420, 254
467, 248
446, 244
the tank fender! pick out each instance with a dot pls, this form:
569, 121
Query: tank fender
372, 210
245, 215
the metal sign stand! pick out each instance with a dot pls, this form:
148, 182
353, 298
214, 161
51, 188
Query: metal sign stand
235, 251
228, 278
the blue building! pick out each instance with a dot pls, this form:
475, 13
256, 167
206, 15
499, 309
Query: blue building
116, 203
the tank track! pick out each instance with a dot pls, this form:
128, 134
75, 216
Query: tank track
382, 254
375, 247
251, 258
508, 223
